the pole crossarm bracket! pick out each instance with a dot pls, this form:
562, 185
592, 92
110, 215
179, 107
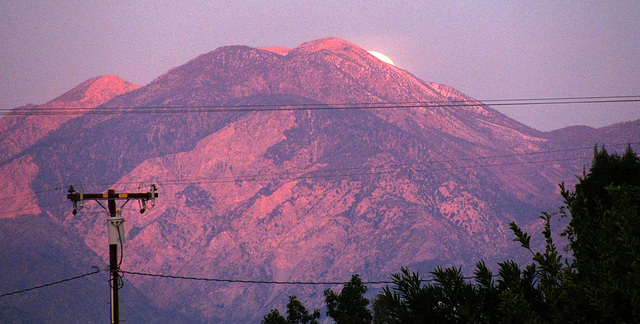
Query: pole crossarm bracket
117, 196
78, 198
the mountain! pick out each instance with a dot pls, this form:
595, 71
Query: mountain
25, 125
276, 164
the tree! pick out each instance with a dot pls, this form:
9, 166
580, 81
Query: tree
513, 298
601, 284
274, 317
449, 300
296, 314
543, 277
604, 235
592, 198
350, 306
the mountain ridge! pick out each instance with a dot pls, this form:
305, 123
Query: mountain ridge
23, 130
270, 194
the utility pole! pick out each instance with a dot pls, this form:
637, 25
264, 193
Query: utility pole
115, 226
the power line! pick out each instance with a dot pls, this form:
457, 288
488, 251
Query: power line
320, 173
271, 282
58, 187
31, 208
332, 173
52, 283
327, 173
248, 281
561, 98
39, 110
345, 175
237, 281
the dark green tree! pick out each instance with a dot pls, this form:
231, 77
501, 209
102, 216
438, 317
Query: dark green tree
592, 198
274, 317
601, 284
350, 305
541, 281
450, 299
604, 235
296, 314
406, 302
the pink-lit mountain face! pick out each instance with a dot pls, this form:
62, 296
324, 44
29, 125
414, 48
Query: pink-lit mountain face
264, 175
21, 129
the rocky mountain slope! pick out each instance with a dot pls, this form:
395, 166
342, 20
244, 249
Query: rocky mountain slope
305, 164
25, 125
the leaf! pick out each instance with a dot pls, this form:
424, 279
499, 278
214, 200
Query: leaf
521, 236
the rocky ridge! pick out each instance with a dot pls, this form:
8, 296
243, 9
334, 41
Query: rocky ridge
253, 191
21, 130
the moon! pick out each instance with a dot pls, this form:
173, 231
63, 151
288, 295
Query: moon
382, 57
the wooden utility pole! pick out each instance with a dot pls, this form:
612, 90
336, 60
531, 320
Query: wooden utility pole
115, 225
113, 259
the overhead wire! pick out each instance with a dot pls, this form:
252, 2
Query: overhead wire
327, 173
58, 187
308, 174
96, 270
334, 172
343, 175
210, 279
106, 110
31, 208
319, 174
271, 282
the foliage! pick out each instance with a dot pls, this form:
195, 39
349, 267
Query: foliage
453, 299
350, 306
274, 317
296, 314
604, 235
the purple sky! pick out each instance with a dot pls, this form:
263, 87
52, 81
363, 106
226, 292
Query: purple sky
486, 49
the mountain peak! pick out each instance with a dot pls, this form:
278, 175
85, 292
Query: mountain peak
98, 90
276, 49
88, 94
342, 49
332, 44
